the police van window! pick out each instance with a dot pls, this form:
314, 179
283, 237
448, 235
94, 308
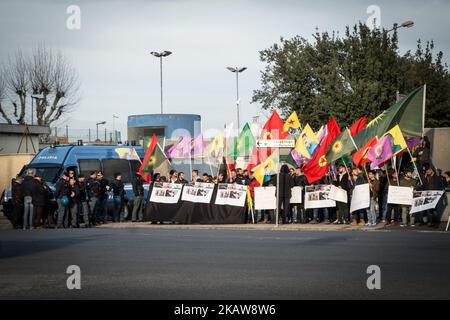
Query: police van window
112, 166
89, 165
48, 174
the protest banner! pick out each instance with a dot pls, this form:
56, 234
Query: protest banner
360, 198
316, 196
265, 198
425, 200
296, 195
231, 194
338, 194
400, 195
164, 192
198, 192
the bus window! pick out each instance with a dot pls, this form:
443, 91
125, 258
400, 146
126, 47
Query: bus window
112, 166
89, 165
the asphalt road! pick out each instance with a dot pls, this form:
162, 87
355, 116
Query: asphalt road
222, 264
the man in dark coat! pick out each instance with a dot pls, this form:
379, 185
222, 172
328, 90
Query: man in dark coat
342, 181
62, 190
27, 189
431, 182
41, 193
138, 189
285, 185
17, 201
119, 197
93, 191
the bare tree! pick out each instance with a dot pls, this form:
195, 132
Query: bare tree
3, 96
44, 76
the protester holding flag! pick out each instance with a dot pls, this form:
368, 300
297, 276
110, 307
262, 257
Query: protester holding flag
422, 154
299, 209
358, 179
407, 181
138, 190
432, 182
285, 184
374, 187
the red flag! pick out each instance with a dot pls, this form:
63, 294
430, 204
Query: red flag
318, 166
230, 166
358, 126
148, 153
273, 129
360, 157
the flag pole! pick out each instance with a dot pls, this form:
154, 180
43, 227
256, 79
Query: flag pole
423, 108
387, 174
415, 166
395, 168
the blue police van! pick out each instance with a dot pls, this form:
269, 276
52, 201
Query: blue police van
51, 162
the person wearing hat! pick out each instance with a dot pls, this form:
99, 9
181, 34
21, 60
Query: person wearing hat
342, 181
407, 181
138, 189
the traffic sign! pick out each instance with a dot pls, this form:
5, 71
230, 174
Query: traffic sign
275, 144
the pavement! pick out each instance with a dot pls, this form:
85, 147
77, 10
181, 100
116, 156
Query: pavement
126, 261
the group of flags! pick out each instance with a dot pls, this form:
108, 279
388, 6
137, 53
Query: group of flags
376, 142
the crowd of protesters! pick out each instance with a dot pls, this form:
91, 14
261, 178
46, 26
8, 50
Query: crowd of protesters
83, 201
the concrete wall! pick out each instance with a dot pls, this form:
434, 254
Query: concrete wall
10, 165
10, 142
440, 147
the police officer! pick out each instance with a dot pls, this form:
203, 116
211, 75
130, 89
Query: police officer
83, 207
40, 196
138, 189
119, 197
93, 190
102, 213
62, 189
74, 194
27, 188
17, 202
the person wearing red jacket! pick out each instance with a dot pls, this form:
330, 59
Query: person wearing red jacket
252, 185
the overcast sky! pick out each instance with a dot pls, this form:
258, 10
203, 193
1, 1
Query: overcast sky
119, 76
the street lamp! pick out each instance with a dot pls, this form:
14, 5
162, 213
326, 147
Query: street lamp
114, 128
98, 124
237, 71
406, 24
160, 55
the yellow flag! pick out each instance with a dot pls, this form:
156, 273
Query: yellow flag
307, 142
398, 141
217, 145
292, 122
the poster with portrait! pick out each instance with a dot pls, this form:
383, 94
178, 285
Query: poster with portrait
400, 195
317, 196
198, 192
360, 198
164, 192
338, 194
231, 195
425, 200
296, 197
265, 198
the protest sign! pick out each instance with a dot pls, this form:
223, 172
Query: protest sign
316, 196
338, 194
198, 192
164, 192
265, 198
296, 195
231, 194
425, 200
400, 195
360, 198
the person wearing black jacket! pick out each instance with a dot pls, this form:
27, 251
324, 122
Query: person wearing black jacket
17, 201
93, 190
74, 195
285, 185
138, 189
342, 181
102, 208
27, 189
62, 190
40, 196
431, 182
300, 181
82, 201
119, 197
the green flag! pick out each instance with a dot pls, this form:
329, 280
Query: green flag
242, 144
408, 113
341, 146
156, 159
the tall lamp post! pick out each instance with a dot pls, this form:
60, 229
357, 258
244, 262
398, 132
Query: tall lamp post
161, 55
98, 124
406, 24
237, 71
114, 128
